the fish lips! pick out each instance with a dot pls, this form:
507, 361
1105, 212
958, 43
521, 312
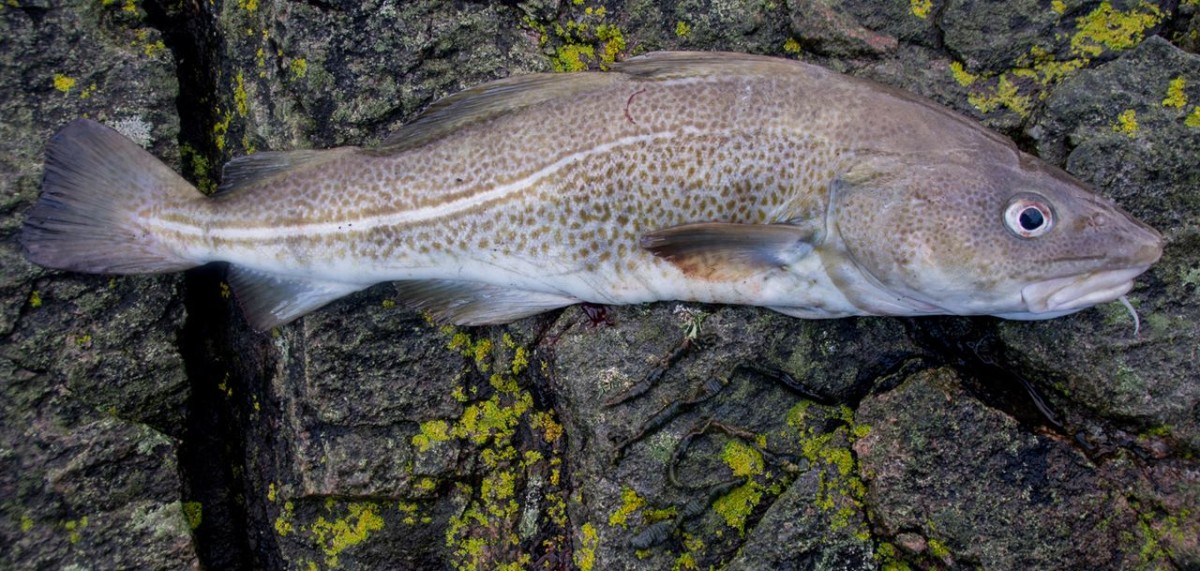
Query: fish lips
1073, 293
1140, 247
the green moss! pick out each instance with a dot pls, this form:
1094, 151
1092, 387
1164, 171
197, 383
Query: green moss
26, 523
682, 29
35, 299
630, 503
693, 548
193, 512
792, 46
889, 559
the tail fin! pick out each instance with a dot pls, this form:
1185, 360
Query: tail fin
96, 181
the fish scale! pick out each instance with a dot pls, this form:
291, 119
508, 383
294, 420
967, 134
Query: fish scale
719, 178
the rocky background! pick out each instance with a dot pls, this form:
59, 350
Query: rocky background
144, 426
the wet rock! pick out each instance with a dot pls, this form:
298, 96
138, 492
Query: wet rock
977, 490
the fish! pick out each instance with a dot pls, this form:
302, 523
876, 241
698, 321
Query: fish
707, 177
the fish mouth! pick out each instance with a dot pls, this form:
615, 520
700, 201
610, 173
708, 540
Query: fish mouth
1073, 293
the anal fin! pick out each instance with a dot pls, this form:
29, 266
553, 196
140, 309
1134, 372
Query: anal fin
270, 300
474, 303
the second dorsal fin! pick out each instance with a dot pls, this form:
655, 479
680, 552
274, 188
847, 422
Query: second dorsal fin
262, 166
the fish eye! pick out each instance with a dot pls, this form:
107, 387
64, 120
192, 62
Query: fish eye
1028, 217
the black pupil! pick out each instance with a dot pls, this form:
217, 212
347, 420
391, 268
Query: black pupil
1031, 219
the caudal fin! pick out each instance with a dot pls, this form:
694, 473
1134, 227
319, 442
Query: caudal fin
96, 188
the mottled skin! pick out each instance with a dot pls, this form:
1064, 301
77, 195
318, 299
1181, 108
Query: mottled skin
551, 189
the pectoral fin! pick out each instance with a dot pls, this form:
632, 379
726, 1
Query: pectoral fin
718, 251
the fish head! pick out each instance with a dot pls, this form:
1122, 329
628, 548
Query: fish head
1017, 239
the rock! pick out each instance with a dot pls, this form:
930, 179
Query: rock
981, 491
1148, 164
94, 385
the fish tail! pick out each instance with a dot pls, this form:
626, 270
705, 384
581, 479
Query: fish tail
97, 188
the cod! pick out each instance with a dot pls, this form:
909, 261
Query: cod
709, 177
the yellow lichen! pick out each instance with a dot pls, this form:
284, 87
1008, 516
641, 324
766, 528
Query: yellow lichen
744, 460
1126, 123
283, 523
1108, 28
432, 431
480, 350
240, 100
1006, 95
1193, 118
938, 549
920, 8
961, 75
63, 83
736, 506
75, 528
336, 536
589, 540
630, 503
1175, 96
1058, 6
299, 68
573, 57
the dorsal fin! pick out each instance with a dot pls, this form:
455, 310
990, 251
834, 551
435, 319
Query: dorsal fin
490, 100
262, 166
670, 65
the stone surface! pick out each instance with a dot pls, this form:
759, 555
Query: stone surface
144, 426
93, 384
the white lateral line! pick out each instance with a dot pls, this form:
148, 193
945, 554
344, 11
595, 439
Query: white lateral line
425, 214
